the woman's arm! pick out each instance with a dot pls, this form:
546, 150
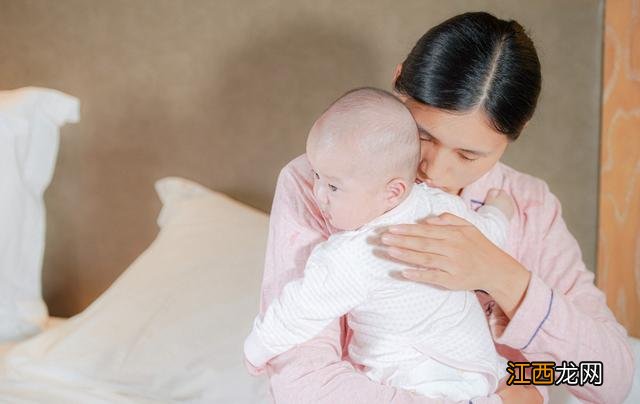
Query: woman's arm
556, 311
314, 372
563, 316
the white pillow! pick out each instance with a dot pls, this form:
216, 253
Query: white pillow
29, 128
171, 327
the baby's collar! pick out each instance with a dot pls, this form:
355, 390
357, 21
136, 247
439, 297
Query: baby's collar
390, 216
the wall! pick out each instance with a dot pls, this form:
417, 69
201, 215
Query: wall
224, 92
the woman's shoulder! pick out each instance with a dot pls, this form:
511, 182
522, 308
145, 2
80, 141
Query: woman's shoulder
297, 170
297, 164
537, 212
526, 189
294, 200
538, 209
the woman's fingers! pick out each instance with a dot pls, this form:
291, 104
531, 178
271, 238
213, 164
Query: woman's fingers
428, 275
420, 259
419, 244
439, 232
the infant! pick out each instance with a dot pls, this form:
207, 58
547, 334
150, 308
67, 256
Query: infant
364, 151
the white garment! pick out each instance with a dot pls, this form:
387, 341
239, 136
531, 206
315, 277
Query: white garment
415, 336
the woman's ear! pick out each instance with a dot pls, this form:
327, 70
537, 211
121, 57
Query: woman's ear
396, 74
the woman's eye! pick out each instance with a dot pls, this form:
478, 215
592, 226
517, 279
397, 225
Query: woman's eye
426, 138
333, 188
316, 175
465, 158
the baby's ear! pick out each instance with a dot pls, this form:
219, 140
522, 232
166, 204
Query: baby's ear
396, 189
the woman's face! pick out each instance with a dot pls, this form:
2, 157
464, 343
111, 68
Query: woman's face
456, 148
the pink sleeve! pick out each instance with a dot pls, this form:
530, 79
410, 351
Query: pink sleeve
563, 316
314, 372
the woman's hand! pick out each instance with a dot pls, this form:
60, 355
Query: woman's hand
520, 394
450, 252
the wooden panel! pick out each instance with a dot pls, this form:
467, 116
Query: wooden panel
619, 221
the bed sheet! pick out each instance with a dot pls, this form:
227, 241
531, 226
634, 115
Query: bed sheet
51, 322
43, 388
41, 385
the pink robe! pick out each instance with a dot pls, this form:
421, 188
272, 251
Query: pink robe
563, 316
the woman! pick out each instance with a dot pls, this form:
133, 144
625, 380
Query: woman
472, 84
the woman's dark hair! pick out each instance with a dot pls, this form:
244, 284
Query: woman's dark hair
471, 60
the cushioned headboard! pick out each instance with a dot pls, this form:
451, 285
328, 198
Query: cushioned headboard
225, 92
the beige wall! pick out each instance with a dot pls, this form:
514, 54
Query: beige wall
223, 92
619, 221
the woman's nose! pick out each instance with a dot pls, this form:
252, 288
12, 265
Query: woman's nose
436, 168
422, 171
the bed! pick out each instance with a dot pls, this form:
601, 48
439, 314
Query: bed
49, 323
170, 329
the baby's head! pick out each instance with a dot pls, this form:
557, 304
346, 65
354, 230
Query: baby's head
364, 151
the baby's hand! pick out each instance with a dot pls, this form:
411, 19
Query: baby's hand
501, 200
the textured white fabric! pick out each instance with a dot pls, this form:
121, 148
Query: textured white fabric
29, 128
416, 336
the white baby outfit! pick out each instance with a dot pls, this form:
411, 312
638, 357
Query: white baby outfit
419, 337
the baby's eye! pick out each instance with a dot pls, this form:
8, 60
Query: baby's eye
333, 188
316, 175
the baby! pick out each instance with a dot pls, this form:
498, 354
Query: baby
364, 151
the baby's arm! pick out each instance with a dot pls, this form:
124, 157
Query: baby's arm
492, 219
500, 200
306, 306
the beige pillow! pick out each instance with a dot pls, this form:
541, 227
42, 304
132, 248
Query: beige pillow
171, 327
